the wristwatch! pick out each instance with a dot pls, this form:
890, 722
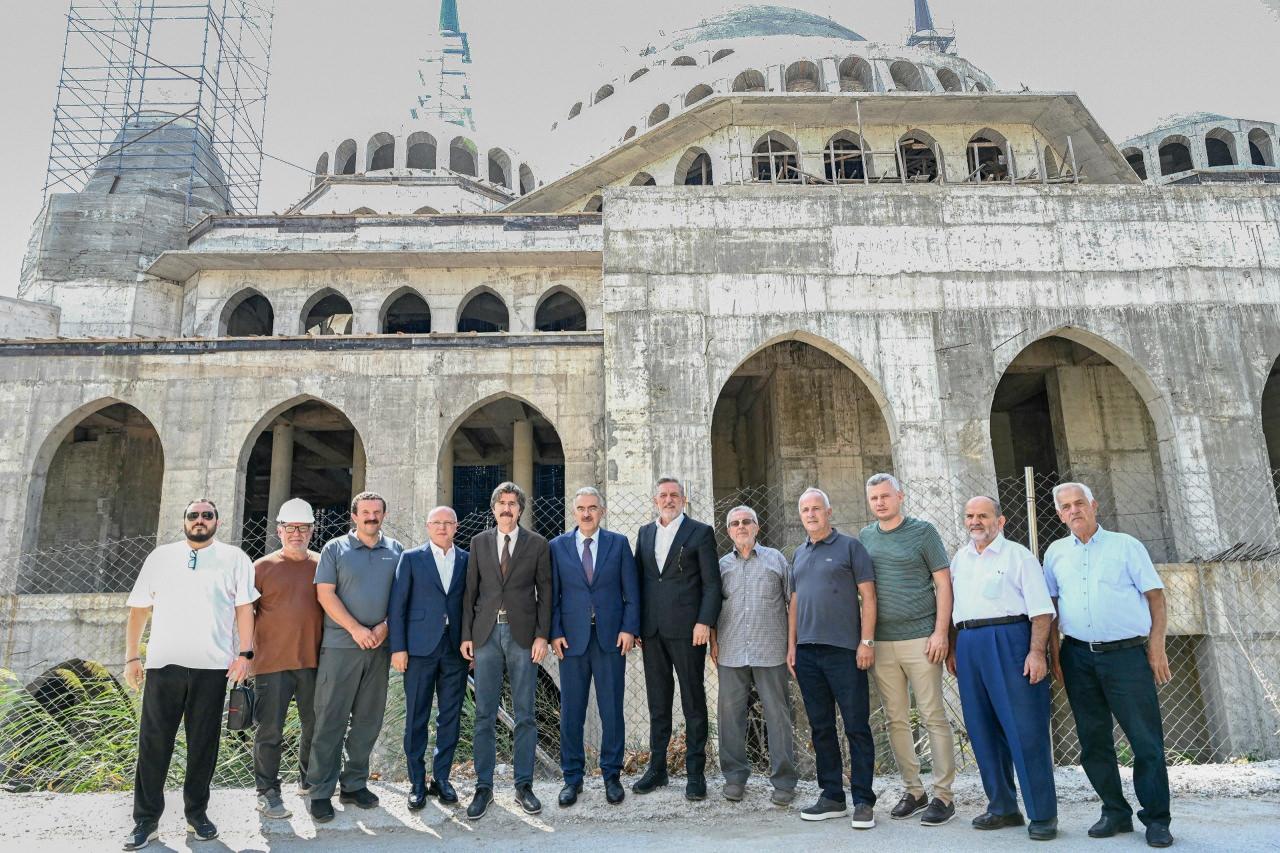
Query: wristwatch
247, 655
871, 644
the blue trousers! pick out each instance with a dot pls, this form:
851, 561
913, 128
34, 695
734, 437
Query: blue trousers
443, 673
500, 652
1007, 718
608, 669
829, 677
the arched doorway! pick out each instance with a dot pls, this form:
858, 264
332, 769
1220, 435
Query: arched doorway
1068, 412
98, 508
307, 450
504, 439
793, 416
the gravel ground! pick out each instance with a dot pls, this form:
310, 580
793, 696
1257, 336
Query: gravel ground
1216, 807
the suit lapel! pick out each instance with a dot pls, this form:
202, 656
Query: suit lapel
648, 535
677, 543
434, 571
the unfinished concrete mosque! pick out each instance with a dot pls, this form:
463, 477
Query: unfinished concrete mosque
761, 254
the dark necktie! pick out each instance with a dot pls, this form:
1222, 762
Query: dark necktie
588, 565
505, 562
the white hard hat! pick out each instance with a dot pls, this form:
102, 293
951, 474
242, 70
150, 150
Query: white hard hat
295, 511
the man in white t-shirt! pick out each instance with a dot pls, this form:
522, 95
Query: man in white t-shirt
199, 596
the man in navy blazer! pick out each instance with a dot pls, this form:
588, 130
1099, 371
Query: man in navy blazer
595, 616
425, 629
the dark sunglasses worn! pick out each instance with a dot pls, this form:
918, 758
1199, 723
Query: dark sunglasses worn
206, 514
191, 561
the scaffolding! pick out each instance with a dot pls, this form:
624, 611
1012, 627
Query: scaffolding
443, 74
175, 89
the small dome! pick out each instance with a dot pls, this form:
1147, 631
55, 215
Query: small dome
749, 21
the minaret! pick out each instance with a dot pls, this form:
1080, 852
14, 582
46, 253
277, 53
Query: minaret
926, 34
447, 94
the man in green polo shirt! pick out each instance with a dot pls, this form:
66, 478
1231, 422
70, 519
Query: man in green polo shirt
913, 590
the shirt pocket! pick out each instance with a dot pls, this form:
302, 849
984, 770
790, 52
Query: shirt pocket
993, 586
731, 582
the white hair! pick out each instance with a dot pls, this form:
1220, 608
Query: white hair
877, 479
1085, 490
589, 491
814, 490
741, 508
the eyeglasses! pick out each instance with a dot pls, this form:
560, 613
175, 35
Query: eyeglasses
442, 524
740, 522
206, 514
191, 561
296, 528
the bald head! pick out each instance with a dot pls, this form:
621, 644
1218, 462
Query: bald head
983, 520
442, 524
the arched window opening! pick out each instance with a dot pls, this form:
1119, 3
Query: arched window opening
603, 92
1260, 150
637, 74
1219, 148
631, 131
978, 86
774, 159
345, 158
950, 80
421, 151
499, 168
659, 114
843, 160
575, 109
694, 169
380, 153
1137, 161
425, 210
988, 160
749, 81
1271, 420
919, 160
906, 76
721, 54
595, 204
1175, 156
643, 179
527, 184
407, 314
329, 315
855, 75
802, 76
697, 93
248, 314
462, 156
364, 211
684, 61
484, 312
322, 169
560, 311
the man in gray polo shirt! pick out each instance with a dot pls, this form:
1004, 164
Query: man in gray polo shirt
832, 626
353, 584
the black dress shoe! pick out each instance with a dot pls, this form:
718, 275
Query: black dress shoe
1043, 830
613, 791
479, 803
443, 791
569, 795
653, 778
322, 810
695, 789
1109, 826
417, 799
987, 820
1158, 835
364, 798
202, 828
142, 835
526, 799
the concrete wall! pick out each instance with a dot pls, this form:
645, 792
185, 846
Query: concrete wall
22, 319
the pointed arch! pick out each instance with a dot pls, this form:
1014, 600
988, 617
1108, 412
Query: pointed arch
986, 156
247, 313
643, 179
404, 311
560, 309
844, 158
775, 158
919, 156
694, 168
320, 309
483, 310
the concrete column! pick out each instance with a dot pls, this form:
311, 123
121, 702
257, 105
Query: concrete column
774, 79
881, 67
830, 75
281, 469
445, 476
1241, 138
359, 464
522, 464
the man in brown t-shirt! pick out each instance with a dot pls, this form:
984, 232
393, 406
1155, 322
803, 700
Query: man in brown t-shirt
286, 642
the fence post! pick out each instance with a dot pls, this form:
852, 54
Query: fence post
1033, 534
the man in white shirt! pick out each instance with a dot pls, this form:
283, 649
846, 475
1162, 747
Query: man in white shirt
1000, 635
198, 595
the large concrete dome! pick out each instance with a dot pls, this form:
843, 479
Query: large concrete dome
752, 21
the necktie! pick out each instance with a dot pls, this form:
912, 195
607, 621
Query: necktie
505, 561
588, 565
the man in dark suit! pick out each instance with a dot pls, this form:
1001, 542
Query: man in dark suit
425, 623
595, 616
680, 601
506, 618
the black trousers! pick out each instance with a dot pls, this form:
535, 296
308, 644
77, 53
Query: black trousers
1100, 685
661, 657
172, 695
274, 690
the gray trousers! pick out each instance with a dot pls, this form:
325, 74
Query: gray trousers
274, 690
779, 721
351, 687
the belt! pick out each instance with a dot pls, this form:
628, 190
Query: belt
999, 620
1109, 645
502, 617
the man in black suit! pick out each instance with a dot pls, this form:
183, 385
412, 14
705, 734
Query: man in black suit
679, 604
506, 619
424, 620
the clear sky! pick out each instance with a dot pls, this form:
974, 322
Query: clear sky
341, 68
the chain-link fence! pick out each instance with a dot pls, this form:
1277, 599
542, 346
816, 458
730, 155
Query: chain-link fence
66, 722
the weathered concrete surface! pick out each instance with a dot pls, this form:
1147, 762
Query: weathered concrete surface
22, 319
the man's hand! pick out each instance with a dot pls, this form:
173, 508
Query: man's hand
625, 642
1055, 665
134, 673
363, 637
791, 658
1035, 667
558, 645
400, 661
951, 661
466, 649
238, 671
937, 647
1159, 662
380, 632
701, 634
539, 650
866, 656
714, 651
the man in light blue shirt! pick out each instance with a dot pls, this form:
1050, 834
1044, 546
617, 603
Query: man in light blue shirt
1111, 605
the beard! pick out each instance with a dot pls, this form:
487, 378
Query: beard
192, 536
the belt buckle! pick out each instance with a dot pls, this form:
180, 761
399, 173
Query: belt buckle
502, 617
1093, 643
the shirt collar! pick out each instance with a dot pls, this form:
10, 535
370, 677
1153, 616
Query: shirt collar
514, 534
995, 547
1100, 533
441, 554
356, 543
755, 551
831, 537
580, 537
672, 526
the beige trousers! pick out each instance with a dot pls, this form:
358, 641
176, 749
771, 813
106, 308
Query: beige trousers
900, 664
